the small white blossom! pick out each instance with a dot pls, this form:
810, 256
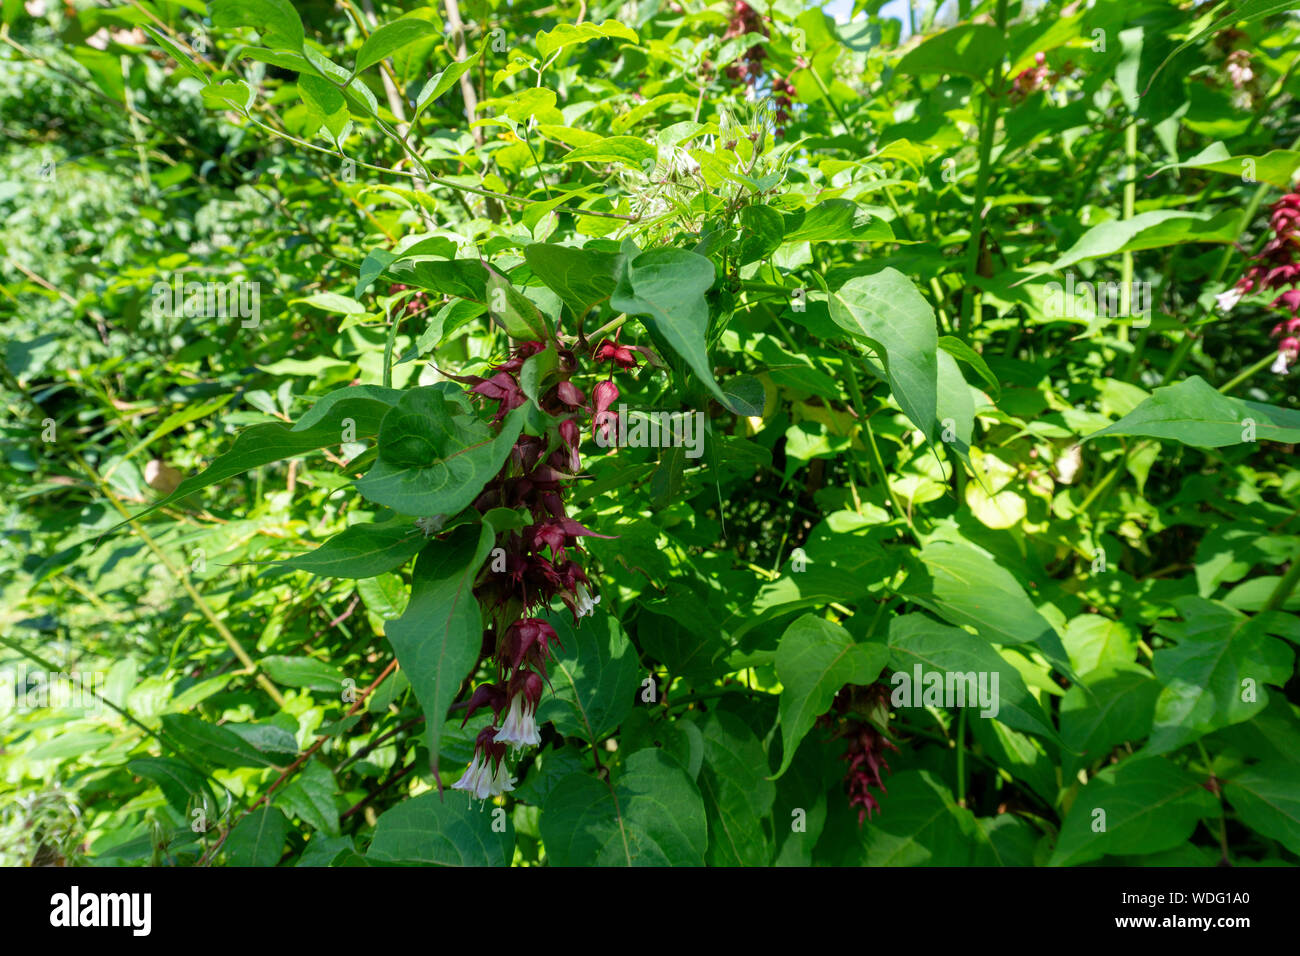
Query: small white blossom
1228, 299
481, 781
520, 727
1279, 364
584, 603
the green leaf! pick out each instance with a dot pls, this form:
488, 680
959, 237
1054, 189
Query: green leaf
920, 824
303, 672
1117, 706
887, 312
357, 408
1149, 805
1277, 167
652, 816
211, 743
915, 642
362, 551
1219, 655
566, 34
258, 839
745, 396
390, 38
440, 83
1267, 799
582, 278
276, 20
514, 311
835, 220
1193, 413
737, 794
968, 588
1148, 230
627, 150
438, 638
431, 462
310, 797
322, 96
595, 678
964, 353
179, 782
814, 659
667, 287
971, 49
761, 230
332, 302
431, 830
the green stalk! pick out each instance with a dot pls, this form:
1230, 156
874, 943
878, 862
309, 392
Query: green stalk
988, 127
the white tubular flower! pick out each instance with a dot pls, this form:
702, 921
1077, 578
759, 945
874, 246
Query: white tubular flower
584, 603
520, 727
475, 779
1227, 299
487, 775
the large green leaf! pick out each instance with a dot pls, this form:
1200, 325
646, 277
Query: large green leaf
1193, 413
1277, 167
969, 49
310, 798
968, 588
567, 34
440, 83
835, 220
1149, 230
1219, 656
514, 311
276, 20
667, 286
431, 830
363, 550
737, 794
438, 638
595, 677
1116, 707
915, 640
352, 414
582, 278
886, 311
1267, 799
432, 461
920, 824
652, 816
211, 743
390, 38
258, 839
1149, 805
813, 661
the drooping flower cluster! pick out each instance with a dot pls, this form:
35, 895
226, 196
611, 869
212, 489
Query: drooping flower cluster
1037, 77
532, 565
418, 302
858, 716
745, 19
1277, 268
785, 94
